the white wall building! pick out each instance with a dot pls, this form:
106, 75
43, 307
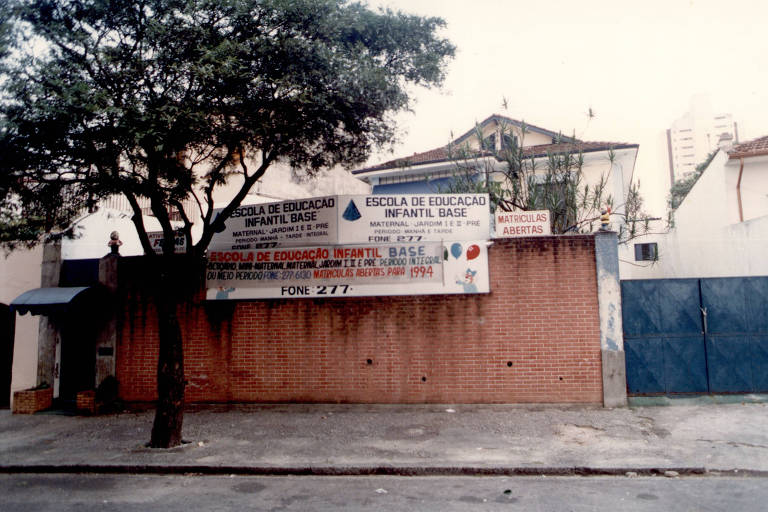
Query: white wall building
431, 171
695, 135
19, 271
720, 228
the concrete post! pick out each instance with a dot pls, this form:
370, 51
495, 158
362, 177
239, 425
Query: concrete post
611, 330
106, 344
48, 333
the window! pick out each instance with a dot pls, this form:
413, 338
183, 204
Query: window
646, 252
552, 192
509, 142
489, 143
407, 178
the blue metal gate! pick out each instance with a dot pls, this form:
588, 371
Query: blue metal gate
696, 335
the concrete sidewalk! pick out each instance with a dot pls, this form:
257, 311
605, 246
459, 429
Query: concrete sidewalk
400, 439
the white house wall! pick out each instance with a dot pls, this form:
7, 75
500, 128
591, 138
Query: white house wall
754, 187
91, 234
19, 272
707, 240
617, 173
706, 206
531, 138
725, 251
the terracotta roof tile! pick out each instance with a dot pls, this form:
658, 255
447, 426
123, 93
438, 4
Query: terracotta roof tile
756, 147
575, 147
441, 154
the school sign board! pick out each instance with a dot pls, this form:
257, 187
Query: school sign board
413, 218
292, 266
302, 222
522, 223
356, 219
352, 245
422, 268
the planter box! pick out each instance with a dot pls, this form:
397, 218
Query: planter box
86, 402
32, 400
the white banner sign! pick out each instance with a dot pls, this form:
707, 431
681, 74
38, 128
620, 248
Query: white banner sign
522, 223
300, 222
349, 271
341, 220
413, 218
420, 263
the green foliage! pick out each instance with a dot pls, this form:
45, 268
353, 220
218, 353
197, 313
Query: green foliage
5, 27
516, 179
636, 221
17, 230
30, 211
165, 100
680, 188
467, 180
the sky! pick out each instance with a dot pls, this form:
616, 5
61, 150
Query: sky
636, 64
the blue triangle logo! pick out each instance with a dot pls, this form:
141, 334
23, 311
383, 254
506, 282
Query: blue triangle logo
351, 213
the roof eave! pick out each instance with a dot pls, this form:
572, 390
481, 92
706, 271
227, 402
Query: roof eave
617, 147
747, 154
366, 173
423, 167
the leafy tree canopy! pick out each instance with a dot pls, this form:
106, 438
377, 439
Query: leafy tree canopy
164, 100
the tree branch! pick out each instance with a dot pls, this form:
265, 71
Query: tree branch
209, 228
187, 225
138, 222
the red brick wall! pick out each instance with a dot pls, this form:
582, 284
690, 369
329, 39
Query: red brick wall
541, 316
32, 400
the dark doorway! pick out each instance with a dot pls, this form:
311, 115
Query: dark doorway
77, 371
7, 331
79, 329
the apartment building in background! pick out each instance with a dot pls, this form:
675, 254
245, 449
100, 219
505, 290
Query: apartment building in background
692, 137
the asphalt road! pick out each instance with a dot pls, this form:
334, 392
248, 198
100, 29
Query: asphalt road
78, 492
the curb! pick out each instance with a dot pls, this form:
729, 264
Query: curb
373, 470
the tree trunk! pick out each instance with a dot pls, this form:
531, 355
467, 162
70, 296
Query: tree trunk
169, 415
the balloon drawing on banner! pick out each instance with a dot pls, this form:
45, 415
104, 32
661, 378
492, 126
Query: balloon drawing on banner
464, 276
456, 250
473, 251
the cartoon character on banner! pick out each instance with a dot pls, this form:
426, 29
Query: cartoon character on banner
223, 293
468, 280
